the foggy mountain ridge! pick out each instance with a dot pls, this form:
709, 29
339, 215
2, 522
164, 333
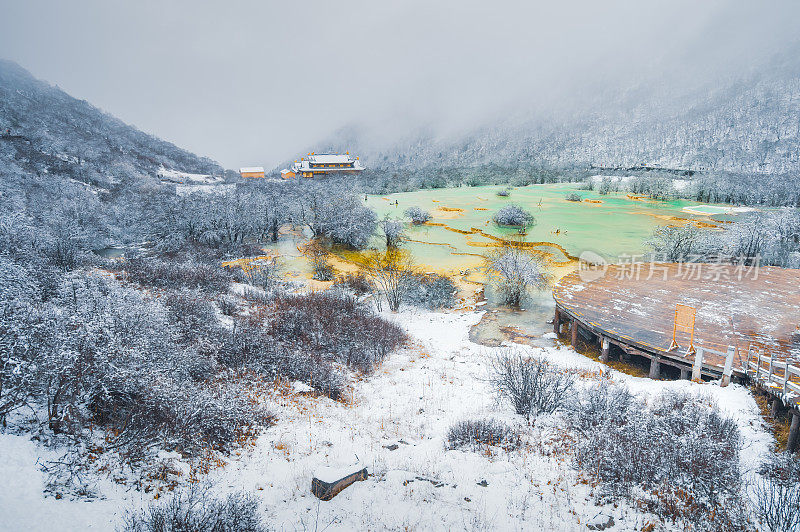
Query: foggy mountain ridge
751, 124
43, 130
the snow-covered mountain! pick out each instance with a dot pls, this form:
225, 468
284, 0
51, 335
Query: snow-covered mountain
44, 130
749, 123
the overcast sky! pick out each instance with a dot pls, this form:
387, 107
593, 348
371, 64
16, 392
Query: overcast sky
258, 82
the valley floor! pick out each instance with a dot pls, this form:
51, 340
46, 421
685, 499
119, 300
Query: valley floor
410, 403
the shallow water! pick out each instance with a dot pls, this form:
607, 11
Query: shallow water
610, 225
461, 233
110, 252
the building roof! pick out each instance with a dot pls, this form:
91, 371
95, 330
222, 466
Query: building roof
251, 170
331, 158
305, 165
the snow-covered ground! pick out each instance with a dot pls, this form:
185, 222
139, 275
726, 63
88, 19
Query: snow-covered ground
716, 209
176, 176
410, 402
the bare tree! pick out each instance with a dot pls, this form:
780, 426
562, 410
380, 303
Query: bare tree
515, 270
388, 270
674, 244
319, 256
394, 231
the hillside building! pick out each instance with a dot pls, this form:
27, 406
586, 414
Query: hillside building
316, 164
252, 171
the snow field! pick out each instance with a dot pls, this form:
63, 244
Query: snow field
411, 401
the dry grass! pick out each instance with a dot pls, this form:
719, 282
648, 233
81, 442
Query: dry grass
778, 425
591, 350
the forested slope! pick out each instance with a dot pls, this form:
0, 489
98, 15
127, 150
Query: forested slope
46, 131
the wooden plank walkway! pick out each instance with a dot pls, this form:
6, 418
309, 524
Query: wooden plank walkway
756, 311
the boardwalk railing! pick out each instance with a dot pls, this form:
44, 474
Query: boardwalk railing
775, 376
727, 371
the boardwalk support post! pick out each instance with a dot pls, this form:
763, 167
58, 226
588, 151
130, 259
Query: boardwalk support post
574, 336
697, 368
655, 368
684, 374
605, 346
791, 445
557, 322
776, 404
728, 370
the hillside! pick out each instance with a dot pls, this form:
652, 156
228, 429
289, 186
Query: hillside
46, 131
748, 124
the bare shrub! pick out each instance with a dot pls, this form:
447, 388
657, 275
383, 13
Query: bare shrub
504, 193
675, 244
358, 282
312, 338
773, 237
227, 305
514, 215
192, 313
658, 187
777, 505
677, 438
781, 467
573, 196
258, 297
777, 493
139, 368
339, 328
250, 347
531, 384
264, 274
429, 290
149, 271
600, 404
198, 512
417, 215
64, 254
678, 449
476, 434
186, 417
606, 186
689, 511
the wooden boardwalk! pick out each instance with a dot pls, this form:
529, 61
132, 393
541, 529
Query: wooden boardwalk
754, 311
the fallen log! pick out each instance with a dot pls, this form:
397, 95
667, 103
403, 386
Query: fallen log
328, 490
